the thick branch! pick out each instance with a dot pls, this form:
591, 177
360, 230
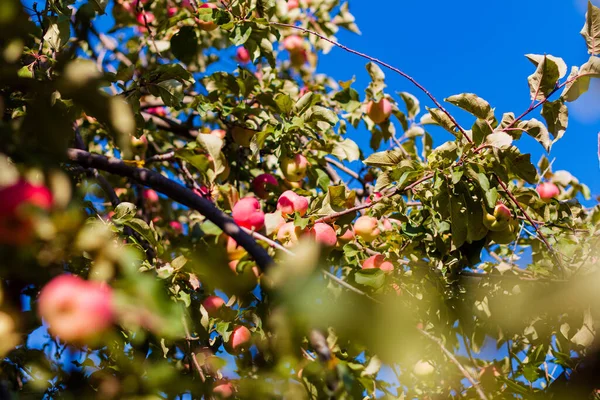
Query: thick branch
178, 193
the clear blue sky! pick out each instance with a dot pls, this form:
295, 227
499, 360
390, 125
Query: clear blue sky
477, 46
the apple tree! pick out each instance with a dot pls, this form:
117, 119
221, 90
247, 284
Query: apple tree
183, 215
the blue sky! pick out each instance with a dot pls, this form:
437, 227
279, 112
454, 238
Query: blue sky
477, 46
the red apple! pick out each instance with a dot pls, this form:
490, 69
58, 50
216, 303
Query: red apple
345, 237
220, 133
171, 11
145, 18
223, 389
376, 197
247, 213
294, 44
378, 261
213, 304
207, 25
176, 226
242, 136
380, 111
289, 234
160, 111
547, 191
324, 234
290, 202
16, 226
292, 4
150, 195
243, 55
240, 338
366, 228
76, 310
502, 213
263, 184
294, 168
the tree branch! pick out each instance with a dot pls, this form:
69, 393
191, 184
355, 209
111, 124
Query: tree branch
178, 193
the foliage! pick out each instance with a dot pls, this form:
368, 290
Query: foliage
480, 303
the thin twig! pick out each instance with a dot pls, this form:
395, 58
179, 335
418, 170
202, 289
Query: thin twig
188, 339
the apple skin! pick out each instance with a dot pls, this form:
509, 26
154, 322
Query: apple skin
247, 213
501, 212
292, 4
366, 228
207, 25
139, 146
243, 55
223, 389
547, 191
378, 261
299, 58
220, 133
289, 234
176, 226
380, 111
506, 235
171, 11
323, 234
500, 220
16, 227
77, 311
145, 18
290, 202
213, 305
293, 44
294, 168
263, 185
345, 237
240, 338
242, 136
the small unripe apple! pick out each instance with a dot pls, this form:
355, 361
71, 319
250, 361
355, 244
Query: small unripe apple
380, 111
247, 213
290, 202
294, 168
242, 136
139, 146
151, 196
289, 234
263, 184
423, 368
547, 191
213, 304
207, 25
76, 310
293, 44
324, 234
240, 338
378, 261
223, 389
243, 55
366, 228
220, 133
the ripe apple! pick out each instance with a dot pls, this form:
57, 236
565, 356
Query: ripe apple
375, 197
292, 4
242, 136
234, 251
171, 11
547, 191
345, 237
247, 213
293, 44
243, 55
324, 234
380, 111
16, 225
145, 18
223, 389
366, 228
378, 261
499, 221
220, 133
206, 25
502, 212
506, 235
213, 304
176, 226
160, 111
289, 234
150, 195
263, 184
240, 338
76, 310
423, 368
290, 202
294, 168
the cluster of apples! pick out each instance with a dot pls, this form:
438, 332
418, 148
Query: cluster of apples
17, 211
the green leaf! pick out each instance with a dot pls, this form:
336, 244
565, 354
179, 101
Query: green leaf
305, 102
556, 115
185, 45
384, 158
319, 113
124, 212
591, 29
579, 79
284, 102
458, 219
170, 91
347, 149
323, 180
141, 227
441, 119
375, 72
536, 59
537, 130
412, 104
499, 139
99, 5
58, 32
543, 81
374, 278
213, 145
473, 104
